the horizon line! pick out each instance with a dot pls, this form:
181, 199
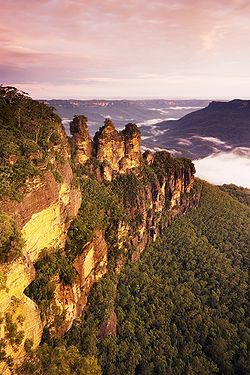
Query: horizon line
90, 98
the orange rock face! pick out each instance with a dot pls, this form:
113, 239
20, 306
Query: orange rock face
117, 152
82, 140
109, 145
43, 215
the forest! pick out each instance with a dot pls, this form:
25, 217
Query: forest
182, 309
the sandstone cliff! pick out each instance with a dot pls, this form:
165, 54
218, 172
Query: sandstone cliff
127, 201
43, 215
39, 199
120, 218
82, 140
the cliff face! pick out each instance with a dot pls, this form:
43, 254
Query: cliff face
44, 214
20, 315
152, 190
45, 211
70, 300
141, 196
161, 200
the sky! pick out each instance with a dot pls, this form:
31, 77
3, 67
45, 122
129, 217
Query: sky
126, 49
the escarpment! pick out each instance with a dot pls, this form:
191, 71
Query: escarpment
69, 237
43, 215
124, 210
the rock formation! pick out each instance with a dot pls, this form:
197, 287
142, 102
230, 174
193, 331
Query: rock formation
82, 140
109, 145
132, 141
117, 152
90, 266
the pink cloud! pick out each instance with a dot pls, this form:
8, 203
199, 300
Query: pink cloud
121, 40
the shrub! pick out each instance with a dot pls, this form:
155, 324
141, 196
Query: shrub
11, 242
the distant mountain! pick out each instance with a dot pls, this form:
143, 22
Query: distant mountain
142, 112
221, 126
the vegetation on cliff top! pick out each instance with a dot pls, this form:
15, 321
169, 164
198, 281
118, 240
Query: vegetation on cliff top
28, 130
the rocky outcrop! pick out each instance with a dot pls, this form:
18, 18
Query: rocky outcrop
132, 141
109, 145
117, 152
17, 310
82, 140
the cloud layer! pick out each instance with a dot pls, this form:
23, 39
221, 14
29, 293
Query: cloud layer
92, 48
226, 168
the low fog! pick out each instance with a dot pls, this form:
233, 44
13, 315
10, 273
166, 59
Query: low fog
225, 168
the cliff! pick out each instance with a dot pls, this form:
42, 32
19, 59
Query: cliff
39, 199
68, 239
44, 216
121, 213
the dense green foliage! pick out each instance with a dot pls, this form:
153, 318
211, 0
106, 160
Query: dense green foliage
11, 242
59, 361
127, 187
41, 290
28, 129
100, 209
12, 337
238, 192
164, 163
183, 309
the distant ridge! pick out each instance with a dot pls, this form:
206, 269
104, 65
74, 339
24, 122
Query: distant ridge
221, 126
125, 111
